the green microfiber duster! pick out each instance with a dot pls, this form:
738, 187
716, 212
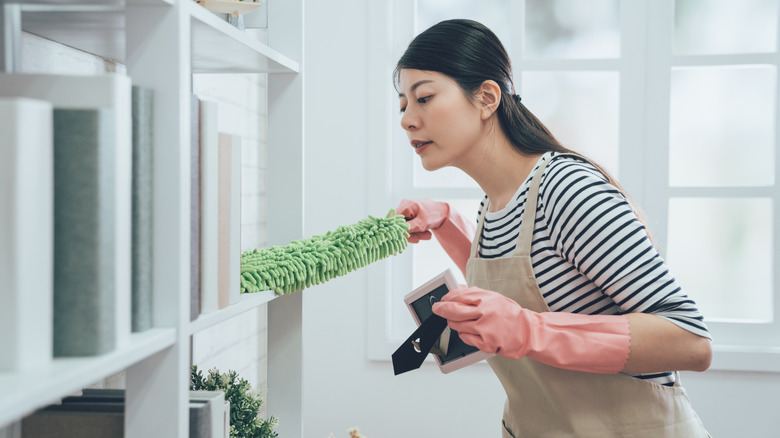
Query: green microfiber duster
307, 262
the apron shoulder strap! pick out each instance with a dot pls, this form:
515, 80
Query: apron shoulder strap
525, 234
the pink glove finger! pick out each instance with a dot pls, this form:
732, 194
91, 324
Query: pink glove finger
407, 208
477, 341
455, 311
411, 210
425, 235
417, 225
465, 327
466, 295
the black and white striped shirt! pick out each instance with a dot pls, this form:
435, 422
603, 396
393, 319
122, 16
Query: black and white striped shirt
590, 253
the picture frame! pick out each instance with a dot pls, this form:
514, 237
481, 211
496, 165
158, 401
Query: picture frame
420, 303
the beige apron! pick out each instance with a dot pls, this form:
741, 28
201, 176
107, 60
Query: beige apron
544, 401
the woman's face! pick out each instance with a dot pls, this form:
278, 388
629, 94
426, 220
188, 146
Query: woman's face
441, 122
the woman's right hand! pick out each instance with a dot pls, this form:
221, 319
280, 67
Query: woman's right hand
423, 215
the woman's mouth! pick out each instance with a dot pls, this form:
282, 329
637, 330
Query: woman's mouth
419, 145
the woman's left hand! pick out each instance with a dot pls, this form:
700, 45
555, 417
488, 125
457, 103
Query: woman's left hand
496, 324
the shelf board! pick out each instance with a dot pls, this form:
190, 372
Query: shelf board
218, 47
96, 29
99, 28
25, 391
247, 302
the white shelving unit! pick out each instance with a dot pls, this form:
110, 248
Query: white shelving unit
162, 43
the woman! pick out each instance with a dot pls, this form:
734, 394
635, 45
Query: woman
563, 282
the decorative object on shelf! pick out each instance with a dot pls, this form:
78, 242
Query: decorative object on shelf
353, 433
244, 402
307, 262
232, 7
232, 10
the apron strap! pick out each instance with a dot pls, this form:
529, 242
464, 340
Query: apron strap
478, 234
527, 226
526, 232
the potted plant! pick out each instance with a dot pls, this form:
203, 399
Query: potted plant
244, 403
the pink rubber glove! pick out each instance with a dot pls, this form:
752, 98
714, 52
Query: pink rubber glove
496, 324
427, 217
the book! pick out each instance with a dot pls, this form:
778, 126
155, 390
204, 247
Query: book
235, 220
142, 209
194, 208
104, 417
13, 430
26, 233
84, 233
223, 251
208, 409
229, 252
59, 422
111, 92
219, 412
209, 225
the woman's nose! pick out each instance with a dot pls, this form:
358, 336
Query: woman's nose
408, 121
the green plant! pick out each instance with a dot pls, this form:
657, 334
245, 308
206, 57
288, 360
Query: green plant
244, 403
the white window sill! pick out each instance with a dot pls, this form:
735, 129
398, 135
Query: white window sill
743, 358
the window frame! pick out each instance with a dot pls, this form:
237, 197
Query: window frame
645, 64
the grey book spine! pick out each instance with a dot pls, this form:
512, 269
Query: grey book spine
142, 209
84, 227
195, 209
200, 419
73, 424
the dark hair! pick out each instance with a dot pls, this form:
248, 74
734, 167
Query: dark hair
470, 53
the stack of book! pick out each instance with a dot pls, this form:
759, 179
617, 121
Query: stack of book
76, 194
76, 226
100, 413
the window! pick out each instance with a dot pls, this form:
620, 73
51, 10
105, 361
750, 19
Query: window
676, 98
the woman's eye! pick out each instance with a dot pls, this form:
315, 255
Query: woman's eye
423, 99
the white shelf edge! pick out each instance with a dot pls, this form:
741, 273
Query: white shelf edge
203, 16
26, 391
247, 302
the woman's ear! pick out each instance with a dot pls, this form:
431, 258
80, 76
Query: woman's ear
489, 97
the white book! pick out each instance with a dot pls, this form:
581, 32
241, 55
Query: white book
209, 225
26, 233
109, 91
229, 254
235, 220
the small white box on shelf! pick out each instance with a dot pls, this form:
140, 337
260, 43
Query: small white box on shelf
99, 92
26, 233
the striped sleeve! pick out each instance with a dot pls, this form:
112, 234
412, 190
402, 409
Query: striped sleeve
592, 226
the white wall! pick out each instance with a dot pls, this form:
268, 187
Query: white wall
342, 388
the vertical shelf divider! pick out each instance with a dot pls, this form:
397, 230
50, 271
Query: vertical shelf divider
159, 57
285, 215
